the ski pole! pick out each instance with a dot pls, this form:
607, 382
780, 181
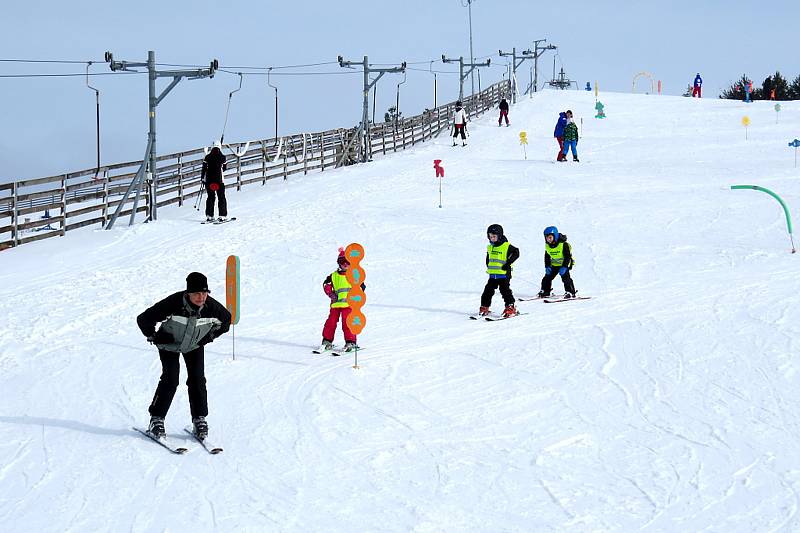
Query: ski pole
200, 196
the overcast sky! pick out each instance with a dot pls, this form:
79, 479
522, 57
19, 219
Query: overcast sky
48, 124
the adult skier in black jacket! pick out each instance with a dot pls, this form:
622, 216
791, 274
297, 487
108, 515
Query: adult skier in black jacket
211, 176
189, 319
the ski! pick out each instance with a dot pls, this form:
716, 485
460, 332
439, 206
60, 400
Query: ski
323, 349
478, 317
216, 221
210, 448
495, 318
339, 353
162, 442
567, 299
532, 298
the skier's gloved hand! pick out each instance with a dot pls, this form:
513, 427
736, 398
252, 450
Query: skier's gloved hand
562, 271
208, 338
161, 337
548, 270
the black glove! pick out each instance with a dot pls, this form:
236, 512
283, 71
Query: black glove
161, 337
205, 340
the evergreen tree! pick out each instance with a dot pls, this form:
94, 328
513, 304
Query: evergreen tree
736, 90
793, 92
775, 82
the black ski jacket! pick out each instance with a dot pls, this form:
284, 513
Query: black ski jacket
213, 165
190, 326
513, 254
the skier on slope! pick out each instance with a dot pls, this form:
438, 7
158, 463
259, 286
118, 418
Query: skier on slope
697, 88
558, 133
558, 261
337, 287
503, 112
211, 177
500, 254
570, 138
460, 124
189, 319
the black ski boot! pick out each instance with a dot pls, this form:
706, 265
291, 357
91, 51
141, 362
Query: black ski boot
200, 427
156, 427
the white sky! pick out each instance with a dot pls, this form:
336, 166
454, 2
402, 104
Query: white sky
605, 41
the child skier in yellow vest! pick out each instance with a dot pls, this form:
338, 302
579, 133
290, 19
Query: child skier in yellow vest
557, 262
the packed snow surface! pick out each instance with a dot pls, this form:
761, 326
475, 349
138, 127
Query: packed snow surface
667, 402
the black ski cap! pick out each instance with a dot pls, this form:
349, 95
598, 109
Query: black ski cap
196, 282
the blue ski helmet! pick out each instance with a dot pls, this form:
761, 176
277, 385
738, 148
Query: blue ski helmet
551, 230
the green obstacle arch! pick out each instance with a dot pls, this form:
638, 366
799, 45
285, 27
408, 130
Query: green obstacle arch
780, 200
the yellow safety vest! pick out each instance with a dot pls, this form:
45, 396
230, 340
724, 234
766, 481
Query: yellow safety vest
341, 287
497, 258
556, 254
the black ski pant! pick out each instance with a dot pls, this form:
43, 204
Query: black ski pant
504, 284
168, 383
212, 195
460, 128
547, 281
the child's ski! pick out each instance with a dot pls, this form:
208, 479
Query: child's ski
340, 352
495, 318
162, 442
478, 317
323, 349
567, 299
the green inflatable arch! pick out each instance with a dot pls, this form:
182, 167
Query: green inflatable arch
780, 200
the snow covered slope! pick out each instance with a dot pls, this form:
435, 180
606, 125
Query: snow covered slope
667, 402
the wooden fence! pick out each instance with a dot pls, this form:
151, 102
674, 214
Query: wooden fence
40, 208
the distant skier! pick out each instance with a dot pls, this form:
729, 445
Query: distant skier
211, 177
500, 255
460, 124
503, 112
748, 90
697, 87
570, 138
559, 134
337, 287
189, 319
558, 261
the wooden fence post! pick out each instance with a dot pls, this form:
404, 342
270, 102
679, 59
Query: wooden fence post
63, 205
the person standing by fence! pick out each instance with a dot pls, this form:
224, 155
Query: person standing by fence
503, 112
211, 176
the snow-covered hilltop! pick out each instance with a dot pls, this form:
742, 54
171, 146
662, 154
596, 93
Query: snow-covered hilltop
667, 402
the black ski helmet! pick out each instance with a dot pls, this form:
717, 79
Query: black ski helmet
458, 103
495, 229
551, 230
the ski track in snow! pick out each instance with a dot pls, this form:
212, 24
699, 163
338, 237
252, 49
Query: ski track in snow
667, 402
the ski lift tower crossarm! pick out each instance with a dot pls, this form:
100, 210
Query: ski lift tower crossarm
537, 52
516, 62
463, 75
363, 129
153, 101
